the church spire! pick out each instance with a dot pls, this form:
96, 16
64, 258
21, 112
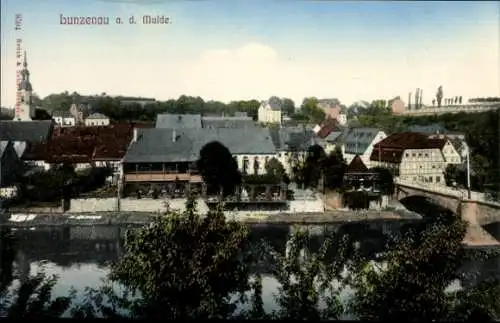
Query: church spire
25, 63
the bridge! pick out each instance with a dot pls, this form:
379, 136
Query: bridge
476, 211
468, 108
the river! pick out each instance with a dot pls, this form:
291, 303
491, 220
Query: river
80, 255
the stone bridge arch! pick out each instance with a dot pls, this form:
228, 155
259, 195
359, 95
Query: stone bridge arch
405, 194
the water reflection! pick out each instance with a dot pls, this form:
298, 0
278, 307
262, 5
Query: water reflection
80, 256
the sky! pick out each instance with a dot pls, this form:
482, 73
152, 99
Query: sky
253, 49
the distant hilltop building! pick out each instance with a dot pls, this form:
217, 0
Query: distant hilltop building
397, 105
270, 111
331, 107
25, 111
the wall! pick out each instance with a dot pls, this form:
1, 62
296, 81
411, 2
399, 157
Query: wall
306, 206
93, 205
251, 159
130, 205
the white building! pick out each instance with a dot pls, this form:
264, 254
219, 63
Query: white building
270, 111
97, 119
64, 118
360, 141
414, 157
292, 145
342, 119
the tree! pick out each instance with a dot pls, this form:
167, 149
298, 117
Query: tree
218, 168
310, 111
184, 266
306, 276
439, 95
334, 168
460, 100
411, 284
275, 169
287, 106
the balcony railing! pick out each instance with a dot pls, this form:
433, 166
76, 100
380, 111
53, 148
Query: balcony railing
159, 176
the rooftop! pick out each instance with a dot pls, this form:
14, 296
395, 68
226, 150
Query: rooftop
82, 144
39, 130
177, 121
183, 145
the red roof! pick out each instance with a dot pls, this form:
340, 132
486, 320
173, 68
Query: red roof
356, 165
83, 144
392, 147
327, 127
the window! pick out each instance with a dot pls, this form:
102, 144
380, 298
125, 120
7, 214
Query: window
256, 165
438, 179
419, 154
407, 155
245, 165
430, 179
413, 155
426, 155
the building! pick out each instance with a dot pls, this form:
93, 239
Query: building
330, 134
80, 112
197, 121
342, 119
178, 121
270, 111
166, 158
84, 147
25, 110
292, 145
438, 131
236, 122
10, 164
97, 119
64, 118
331, 107
23, 133
397, 105
415, 157
358, 176
360, 141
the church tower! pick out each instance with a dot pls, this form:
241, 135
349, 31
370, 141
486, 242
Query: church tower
26, 109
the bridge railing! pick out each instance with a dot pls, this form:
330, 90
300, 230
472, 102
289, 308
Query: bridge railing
460, 193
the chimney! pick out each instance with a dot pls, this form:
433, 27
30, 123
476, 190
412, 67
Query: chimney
409, 101
174, 135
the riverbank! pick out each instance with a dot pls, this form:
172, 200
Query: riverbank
124, 218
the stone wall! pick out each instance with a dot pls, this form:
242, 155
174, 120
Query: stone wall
306, 206
130, 205
93, 205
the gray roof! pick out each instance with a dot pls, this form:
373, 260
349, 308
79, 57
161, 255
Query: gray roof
156, 145
333, 136
3, 147
293, 138
62, 114
240, 114
357, 140
227, 122
97, 115
32, 131
177, 121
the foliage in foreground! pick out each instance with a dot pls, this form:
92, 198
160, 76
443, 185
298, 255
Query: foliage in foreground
182, 266
189, 266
